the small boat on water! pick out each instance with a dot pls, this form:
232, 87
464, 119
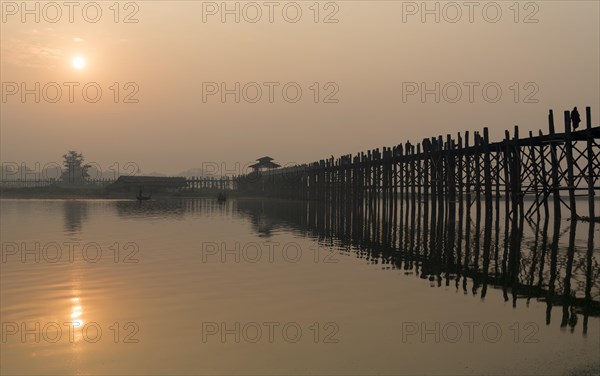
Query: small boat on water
141, 197
221, 197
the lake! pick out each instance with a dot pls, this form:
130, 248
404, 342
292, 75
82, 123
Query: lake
253, 286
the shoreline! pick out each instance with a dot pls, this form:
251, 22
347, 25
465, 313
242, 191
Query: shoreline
101, 194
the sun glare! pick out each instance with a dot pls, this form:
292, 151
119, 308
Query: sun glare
78, 62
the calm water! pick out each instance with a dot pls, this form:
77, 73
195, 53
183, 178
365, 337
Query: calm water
192, 286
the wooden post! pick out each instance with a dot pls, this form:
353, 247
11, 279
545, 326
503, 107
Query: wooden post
395, 173
418, 159
569, 154
544, 179
590, 160
401, 171
440, 174
554, 173
497, 161
426, 176
451, 174
518, 196
534, 164
412, 179
407, 183
419, 179
487, 171
459, 168
477, 158
467, 172
434, 177
507, 177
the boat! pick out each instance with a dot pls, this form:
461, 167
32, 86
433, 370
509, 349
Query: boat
221, 197
141, 197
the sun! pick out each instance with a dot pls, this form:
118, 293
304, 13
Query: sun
78, 62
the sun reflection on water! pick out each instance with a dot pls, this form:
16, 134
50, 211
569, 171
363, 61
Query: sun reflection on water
76, 312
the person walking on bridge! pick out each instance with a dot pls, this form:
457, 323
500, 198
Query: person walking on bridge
575, 118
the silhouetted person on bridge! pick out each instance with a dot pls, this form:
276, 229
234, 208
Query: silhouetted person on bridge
575, 118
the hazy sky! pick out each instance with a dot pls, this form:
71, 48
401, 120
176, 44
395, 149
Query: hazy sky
371, 61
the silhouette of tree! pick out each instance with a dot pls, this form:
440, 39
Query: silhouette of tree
75, 172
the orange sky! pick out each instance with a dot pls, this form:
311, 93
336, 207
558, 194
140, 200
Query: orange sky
369, 58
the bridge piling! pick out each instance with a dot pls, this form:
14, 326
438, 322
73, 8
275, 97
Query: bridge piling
569, 156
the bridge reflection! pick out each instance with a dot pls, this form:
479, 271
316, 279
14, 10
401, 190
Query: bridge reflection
548, 261
545, 260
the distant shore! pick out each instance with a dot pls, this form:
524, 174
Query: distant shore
97, 193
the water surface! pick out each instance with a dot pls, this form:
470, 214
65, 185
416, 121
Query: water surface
191, 286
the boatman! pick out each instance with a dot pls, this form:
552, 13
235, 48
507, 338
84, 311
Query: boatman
575, 118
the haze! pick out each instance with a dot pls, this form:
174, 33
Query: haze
367, 55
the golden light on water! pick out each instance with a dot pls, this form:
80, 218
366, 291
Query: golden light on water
76, 312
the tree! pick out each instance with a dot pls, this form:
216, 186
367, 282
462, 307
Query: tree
75, 171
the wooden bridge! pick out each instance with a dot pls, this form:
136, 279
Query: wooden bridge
550, 168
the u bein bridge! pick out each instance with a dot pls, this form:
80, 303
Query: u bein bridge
419, 208
550, 168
